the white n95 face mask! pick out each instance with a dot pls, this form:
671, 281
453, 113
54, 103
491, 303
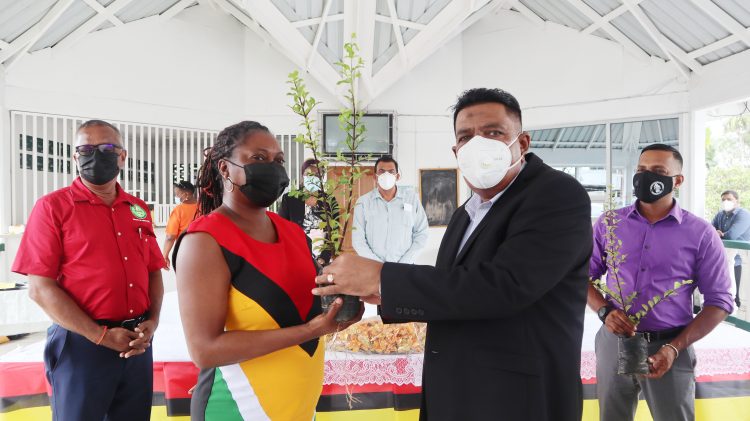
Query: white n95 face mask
386, 181
727, 205
484, 162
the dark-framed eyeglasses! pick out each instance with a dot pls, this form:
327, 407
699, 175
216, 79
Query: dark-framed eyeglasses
87, 150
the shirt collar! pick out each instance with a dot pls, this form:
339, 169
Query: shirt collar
82, 194
475, 202
399, 194
675, 212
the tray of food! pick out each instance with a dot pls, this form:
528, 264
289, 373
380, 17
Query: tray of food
371, 336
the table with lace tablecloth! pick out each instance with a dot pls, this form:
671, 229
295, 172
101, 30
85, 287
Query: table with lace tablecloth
360, 386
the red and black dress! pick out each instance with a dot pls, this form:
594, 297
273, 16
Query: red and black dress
270, 289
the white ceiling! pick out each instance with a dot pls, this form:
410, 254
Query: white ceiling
396, 35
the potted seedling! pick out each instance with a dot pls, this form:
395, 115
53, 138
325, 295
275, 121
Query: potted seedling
632, 351
336, 217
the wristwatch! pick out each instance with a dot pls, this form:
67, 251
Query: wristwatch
604, 311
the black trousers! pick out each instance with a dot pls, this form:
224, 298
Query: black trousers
92, 383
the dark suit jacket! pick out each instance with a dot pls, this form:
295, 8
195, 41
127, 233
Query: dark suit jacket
505, 316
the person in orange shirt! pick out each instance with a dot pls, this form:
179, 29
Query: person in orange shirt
181, 216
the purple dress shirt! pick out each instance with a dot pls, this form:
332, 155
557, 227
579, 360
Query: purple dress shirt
678, 247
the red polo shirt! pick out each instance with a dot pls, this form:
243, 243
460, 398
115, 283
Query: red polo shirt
100, 255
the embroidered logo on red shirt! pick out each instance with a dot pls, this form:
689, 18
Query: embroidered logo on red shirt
137, 211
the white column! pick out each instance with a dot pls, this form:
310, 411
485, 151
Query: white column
5, 158
693, 149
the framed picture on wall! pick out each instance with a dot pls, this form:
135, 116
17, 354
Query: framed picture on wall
438, 190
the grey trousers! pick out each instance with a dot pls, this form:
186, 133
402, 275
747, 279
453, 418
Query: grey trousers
670, 398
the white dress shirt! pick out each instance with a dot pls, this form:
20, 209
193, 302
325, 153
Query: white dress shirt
477, 210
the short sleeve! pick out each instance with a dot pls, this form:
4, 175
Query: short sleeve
173, 224
41, 251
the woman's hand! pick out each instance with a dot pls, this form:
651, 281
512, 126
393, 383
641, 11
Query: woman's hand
326, 323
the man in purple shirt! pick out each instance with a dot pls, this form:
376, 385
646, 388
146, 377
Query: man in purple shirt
662, 244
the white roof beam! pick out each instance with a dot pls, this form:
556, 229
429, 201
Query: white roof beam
403, 23
557, 138
724, 42
238, 14
483, 11
619, 10
319, 33
597, 129
297, 48
91, 24
658, 130
724, 19
176, 8
615, 33
397, 32
21, 45
426, 42
528, 13
360, 19
316, 21
676, 55
104, 12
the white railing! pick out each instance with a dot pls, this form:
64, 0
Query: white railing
738, 255
42, 147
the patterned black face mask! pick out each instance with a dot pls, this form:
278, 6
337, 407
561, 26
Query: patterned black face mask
649, 187
264, 183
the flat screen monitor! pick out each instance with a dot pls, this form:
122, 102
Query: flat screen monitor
378, 135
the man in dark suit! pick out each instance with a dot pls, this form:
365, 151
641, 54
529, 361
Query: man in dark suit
505, 302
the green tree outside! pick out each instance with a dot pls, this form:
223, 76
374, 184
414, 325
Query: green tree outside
728, 163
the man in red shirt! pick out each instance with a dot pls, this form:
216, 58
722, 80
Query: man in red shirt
93, 264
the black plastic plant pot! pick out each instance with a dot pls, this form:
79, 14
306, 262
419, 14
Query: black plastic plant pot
632, 355
349, 309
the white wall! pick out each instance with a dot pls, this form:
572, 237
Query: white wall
166, 72
727, 80
203, 69
5, 158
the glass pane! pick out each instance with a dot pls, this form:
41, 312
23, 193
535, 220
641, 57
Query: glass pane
377, 135
628, 140
579, 151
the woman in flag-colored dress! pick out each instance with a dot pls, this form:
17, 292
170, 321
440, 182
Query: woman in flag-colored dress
244, 280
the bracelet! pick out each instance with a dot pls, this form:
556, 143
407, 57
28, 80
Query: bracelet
101, 338
677, 352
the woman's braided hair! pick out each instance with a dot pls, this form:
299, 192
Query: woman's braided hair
210, 183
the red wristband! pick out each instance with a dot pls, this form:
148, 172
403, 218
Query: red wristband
101, 338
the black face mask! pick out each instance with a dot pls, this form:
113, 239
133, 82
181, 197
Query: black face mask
649, 187
99, 168
264, 183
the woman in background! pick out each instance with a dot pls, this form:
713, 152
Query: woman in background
308, 213
181, 216
244, 277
